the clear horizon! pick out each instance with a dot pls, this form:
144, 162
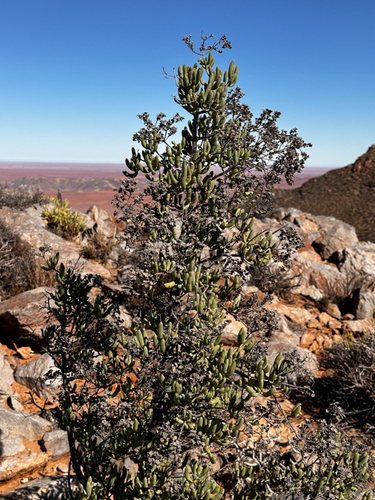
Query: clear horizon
75, 75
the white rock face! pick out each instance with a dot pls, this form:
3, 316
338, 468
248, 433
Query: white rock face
6, 379
40, 374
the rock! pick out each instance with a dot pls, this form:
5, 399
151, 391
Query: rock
64, 469
320, 342
356, 262
22, 425
334, 324
328, 321
11, 446
324, 277
314, 324
285, 332
347, 317
13, 466
313, 293
47, 488
15, 403
297, 315
307, 339
364, 299
55, 443
125, 317
105, 223
118, 253
327, 234
333, 310
6, 379
32, 228
345, 193
33, 376
334, 236
325, 318
230, 330
309, 254
360, 326
24, 314
306, 362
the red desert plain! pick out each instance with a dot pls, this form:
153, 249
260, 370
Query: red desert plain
83, 200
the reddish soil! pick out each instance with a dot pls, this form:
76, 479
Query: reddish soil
82, 201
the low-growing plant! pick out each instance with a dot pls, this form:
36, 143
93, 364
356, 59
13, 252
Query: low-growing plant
62, 220
353, 384
164, 411
19, 265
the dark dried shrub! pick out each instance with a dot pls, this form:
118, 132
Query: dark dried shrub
19, 266
19, 198
353, 387
98, 247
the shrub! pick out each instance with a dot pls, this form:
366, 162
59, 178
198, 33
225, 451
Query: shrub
164, 410
19, 266
98, 247
353, 384
19, 198
62, 220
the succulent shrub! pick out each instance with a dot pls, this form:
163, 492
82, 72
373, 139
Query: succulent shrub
62, 220
163, 410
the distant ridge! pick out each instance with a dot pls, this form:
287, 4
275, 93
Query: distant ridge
66, 184
347, 193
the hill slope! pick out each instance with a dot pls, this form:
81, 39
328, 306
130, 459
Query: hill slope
66, 183
347, 193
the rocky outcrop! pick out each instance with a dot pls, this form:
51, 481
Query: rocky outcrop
40, 375
347, 193
330, 293
25, 314
32, 228
48, 488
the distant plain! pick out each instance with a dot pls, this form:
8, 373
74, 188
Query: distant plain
83, 200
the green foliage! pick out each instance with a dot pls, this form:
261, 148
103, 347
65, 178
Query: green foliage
62, 220
164, 410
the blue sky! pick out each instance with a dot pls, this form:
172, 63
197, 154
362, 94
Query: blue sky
76, 73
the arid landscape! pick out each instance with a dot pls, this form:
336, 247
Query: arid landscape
87, 184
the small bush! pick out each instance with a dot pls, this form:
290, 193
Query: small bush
19, 266
353, 363
19, 198
98, 248
62, 220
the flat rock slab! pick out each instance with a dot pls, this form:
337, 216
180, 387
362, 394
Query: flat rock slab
13, 466
360, 326
25, 314
40, 374
306, 362
6, 379
22, 425
55, 443
47, 488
